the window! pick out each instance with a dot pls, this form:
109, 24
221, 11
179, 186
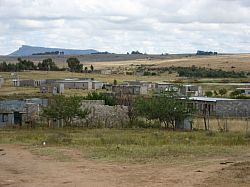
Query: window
4, 117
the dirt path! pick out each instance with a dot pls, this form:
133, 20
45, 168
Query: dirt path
18, 167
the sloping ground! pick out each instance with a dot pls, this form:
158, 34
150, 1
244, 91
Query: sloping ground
19, 167
224, 62
237, 62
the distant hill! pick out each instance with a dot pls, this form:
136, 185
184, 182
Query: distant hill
26, 50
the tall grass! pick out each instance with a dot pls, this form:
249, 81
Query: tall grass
133, 145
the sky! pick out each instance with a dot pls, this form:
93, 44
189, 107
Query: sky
120, 26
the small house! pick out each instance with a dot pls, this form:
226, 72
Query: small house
96, 85
148, 84
76, 84
6, 118
130, 89
53, 88
222, 107
245, 91
165, 86
190, 90
30, 83
16, 112
106, 72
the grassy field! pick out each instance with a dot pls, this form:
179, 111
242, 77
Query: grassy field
237, 62
129, 145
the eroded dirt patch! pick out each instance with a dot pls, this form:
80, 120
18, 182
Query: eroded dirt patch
236, 174
20, 167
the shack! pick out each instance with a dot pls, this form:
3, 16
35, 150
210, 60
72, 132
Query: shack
221, 107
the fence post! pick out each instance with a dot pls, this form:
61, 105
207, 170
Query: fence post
247, 126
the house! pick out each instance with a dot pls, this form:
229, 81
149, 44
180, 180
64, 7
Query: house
106, 72
190, 90
245, 91
129, 89
148, 84
222, 107
6, 118
76, 84
52, 88
165, 86
50, 81
1, 81
84, 83
17, 112
97, 85
30, 82
107, 86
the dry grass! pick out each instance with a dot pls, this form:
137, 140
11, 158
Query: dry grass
224, 62
132, 145
232, 125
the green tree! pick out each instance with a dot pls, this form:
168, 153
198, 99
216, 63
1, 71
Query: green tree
92, 67
208, 93
74, 64
109, 100
47, 64
215, 93
222, 91
235, 93
115, 82
65, 109
166, 109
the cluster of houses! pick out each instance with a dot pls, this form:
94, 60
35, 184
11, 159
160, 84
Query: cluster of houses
145, 87
56, 86
25, 111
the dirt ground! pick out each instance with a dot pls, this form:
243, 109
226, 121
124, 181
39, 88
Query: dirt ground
19, 167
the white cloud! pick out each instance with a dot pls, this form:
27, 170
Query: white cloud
120, 26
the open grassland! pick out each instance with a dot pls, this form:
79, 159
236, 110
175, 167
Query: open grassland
130, 145
225, 62
237, 62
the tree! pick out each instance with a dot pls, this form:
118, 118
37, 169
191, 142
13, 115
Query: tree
65, 109
47, 64
208, 93
109, 100
86, 69
215, 93
222, 91
92, 67
74, 64
235, 93
167, 109
115, 82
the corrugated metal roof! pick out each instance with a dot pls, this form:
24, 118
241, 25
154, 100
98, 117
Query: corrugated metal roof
210, 99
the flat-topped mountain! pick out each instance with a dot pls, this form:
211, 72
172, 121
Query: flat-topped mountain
26, 50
